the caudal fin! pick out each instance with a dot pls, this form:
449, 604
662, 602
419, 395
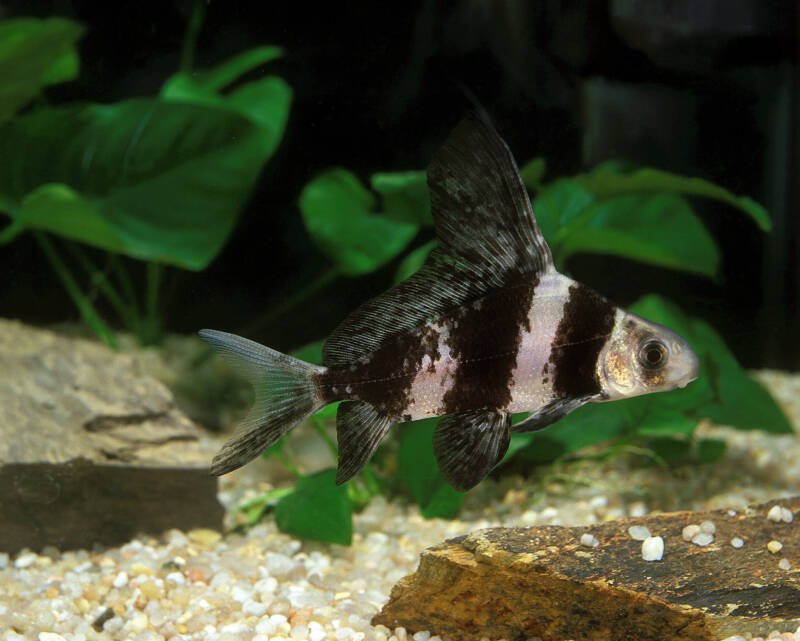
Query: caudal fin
285, 394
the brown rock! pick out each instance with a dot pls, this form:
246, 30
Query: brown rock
91, 450
517, 583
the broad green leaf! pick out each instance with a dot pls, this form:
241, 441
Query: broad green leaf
670, 449
557, 204
55, 207
533, 172
317, 509
216, 79
33, 54
420, 474
658, 229
742, 401
413, 261
405, 196
606, 182
337, 212
169, 179
264, 101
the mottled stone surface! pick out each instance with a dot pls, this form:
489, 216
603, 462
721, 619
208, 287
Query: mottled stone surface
517, 583
91, 449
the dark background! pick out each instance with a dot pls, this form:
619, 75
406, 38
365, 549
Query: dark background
699, 88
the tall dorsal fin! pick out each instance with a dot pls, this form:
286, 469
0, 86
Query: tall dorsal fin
488, 238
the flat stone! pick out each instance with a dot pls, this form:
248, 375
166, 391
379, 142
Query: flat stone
91, 449
518, 583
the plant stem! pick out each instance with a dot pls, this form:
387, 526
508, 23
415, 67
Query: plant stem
153, 322
127, 285
368, 476
99, 279
87, 311
193, 28
288, 463
295, 299
318, 425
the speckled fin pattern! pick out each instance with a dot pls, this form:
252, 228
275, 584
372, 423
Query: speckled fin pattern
469, 444
359, 430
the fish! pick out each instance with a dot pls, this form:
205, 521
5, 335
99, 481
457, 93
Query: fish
486, 328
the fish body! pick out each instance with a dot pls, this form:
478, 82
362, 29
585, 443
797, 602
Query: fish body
487, 328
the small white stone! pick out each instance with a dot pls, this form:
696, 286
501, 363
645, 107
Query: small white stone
774, 546
423, 635
599, 502
702, 539
254, 608
121, 580
785, 564
737, 542
708, 527
735, 638
786, 515
25, 560
637, 509
653, 548
689, 532
774, 514
50, 636
639, 532
589, 541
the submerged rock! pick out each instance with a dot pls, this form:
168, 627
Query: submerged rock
91, 450
517, 583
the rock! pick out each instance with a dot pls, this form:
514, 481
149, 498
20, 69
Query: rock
518, 583
91, 450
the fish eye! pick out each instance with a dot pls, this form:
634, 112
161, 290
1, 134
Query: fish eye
653, 354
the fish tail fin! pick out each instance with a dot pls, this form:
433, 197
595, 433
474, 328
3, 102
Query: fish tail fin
285, 394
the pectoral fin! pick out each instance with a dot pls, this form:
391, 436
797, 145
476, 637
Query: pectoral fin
548, 414
468, 445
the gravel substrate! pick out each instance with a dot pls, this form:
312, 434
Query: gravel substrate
266, 585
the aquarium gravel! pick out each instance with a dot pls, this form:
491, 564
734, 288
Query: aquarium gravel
262, 584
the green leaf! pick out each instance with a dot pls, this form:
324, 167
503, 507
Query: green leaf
265, 102
317, 509
33, 54
607, 181
557, 204
155, 180
405, 196
658, 229
710, 450
670, 449
420, 474
337, 212
413, 261
533, 172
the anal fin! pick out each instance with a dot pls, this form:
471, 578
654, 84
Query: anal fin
548, 414
359, 430
467, 445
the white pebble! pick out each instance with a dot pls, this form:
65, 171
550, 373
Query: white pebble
786, 515
254, 608
735, 638
774, 546
424, 635
4, 560
653, 548
785, 564
737, 542
708, 527
702, 539
637, 509
401, 633
25, 560
50, 636
639, 532
589, 541
774, 514
344, 634
689, 532
121, 580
